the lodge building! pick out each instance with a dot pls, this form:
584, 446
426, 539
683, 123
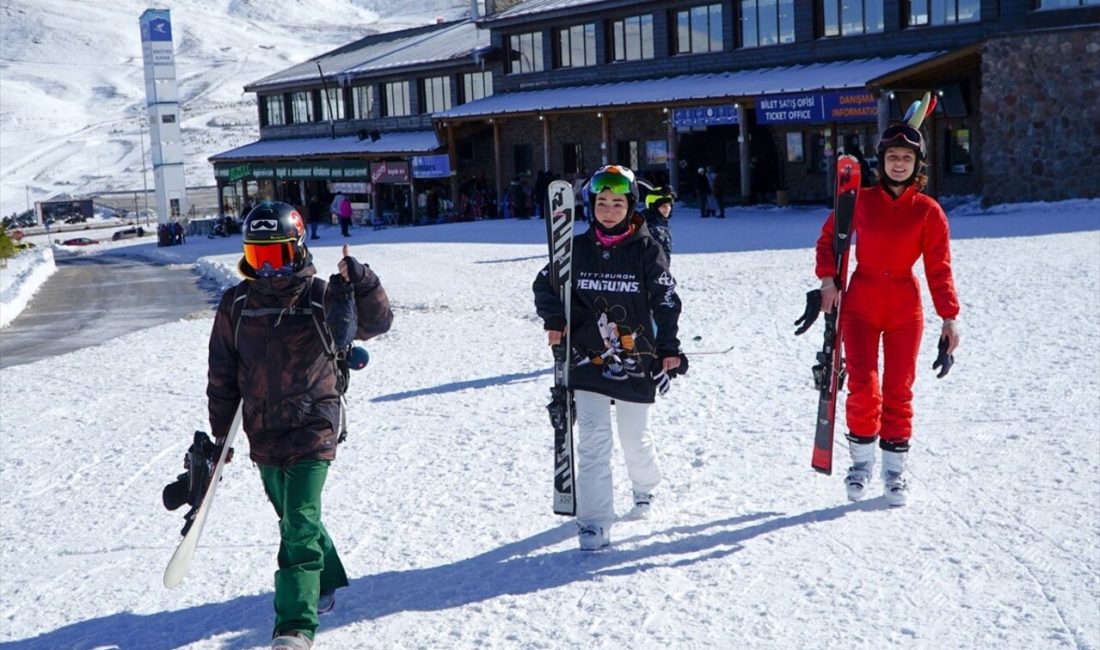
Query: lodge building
766, 91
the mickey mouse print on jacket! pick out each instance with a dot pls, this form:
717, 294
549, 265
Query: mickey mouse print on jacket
625, 313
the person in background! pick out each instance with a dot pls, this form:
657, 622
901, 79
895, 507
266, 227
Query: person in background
269, 358
895, 225
315, 214
702, 192
657, 212
341, 209
624, 323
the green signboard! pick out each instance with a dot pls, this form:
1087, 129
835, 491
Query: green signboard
320, 170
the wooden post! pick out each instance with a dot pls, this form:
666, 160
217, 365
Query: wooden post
452, 156
498, 168
673, 154
745, 146
605, 138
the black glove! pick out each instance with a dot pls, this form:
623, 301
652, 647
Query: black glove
682, 369
813, 308
944, 359
356, 270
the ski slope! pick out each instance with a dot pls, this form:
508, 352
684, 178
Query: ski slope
440, 500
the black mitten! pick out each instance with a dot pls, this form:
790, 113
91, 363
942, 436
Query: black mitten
944, 359
356, 270
813, 308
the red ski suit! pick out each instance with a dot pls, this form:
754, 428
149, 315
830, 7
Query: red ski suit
883, 302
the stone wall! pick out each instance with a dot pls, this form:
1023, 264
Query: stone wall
1041, 116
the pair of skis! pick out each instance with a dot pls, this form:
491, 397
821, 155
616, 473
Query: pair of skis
829, 372
559, 237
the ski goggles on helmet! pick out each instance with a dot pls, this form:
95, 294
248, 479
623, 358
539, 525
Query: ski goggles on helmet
901, 135
619, 180
271, 259
661, 196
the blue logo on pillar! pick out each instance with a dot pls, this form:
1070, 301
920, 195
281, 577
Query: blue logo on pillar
160, 30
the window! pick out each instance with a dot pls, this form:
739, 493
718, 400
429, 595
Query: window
629, 153
436, 94
1063, 4
699, 29
521, 159
958, 151
572, 156
168, 119
273, 105
397, 99
301, 108
852, 17
477, 85
766, 22
332, 100
362, 102
525, 53
795, 154
632, 38
943, 12
577, 46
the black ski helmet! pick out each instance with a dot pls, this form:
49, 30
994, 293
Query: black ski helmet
659, 196
274, 239
618, 179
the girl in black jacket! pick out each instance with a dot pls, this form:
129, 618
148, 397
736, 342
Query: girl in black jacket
625, 316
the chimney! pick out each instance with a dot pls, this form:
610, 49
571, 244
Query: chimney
439, 20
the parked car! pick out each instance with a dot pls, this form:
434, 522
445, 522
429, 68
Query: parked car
80, 241
129, 233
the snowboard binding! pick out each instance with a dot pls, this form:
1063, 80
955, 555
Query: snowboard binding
190, 486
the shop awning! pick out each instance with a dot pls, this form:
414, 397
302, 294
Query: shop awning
398, 143
747, 84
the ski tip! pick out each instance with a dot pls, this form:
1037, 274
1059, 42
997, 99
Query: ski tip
919, 110
172, 580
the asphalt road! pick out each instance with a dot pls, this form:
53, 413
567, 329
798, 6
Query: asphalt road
91, 299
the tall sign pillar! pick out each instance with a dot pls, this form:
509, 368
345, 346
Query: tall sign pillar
162, 106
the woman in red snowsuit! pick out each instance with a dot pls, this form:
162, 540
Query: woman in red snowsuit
894, 225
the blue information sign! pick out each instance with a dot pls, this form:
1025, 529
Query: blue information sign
704, 115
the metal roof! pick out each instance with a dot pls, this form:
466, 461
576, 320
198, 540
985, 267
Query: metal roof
538, 7
402, 142
450, 42
836, 75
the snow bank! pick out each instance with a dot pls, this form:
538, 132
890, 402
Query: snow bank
20, 280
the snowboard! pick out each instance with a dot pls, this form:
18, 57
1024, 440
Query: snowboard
559, 237
829, 372
181, 559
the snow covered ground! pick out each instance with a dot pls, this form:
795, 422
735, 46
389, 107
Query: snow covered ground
440, 500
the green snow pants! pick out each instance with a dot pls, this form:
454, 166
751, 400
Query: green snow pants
308, 562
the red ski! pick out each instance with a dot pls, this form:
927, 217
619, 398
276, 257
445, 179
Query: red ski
829, 372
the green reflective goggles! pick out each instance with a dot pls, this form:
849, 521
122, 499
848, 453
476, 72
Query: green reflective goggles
615, 180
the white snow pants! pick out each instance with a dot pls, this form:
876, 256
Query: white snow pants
595, 489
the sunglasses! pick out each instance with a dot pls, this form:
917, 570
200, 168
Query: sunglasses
272, 259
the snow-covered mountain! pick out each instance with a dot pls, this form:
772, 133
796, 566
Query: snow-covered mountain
72, 97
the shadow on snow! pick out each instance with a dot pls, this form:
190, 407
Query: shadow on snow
456, 386
513, 569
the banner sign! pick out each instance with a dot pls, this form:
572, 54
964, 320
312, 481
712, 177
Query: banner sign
389, 172
431, 166
349, 188
704, 115
817, 108
322, 170
854, 106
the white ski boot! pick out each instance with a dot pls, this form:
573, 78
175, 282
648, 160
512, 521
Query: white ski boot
643, 503
291, 641
593, 537
863, 467
895, 487
326, 602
